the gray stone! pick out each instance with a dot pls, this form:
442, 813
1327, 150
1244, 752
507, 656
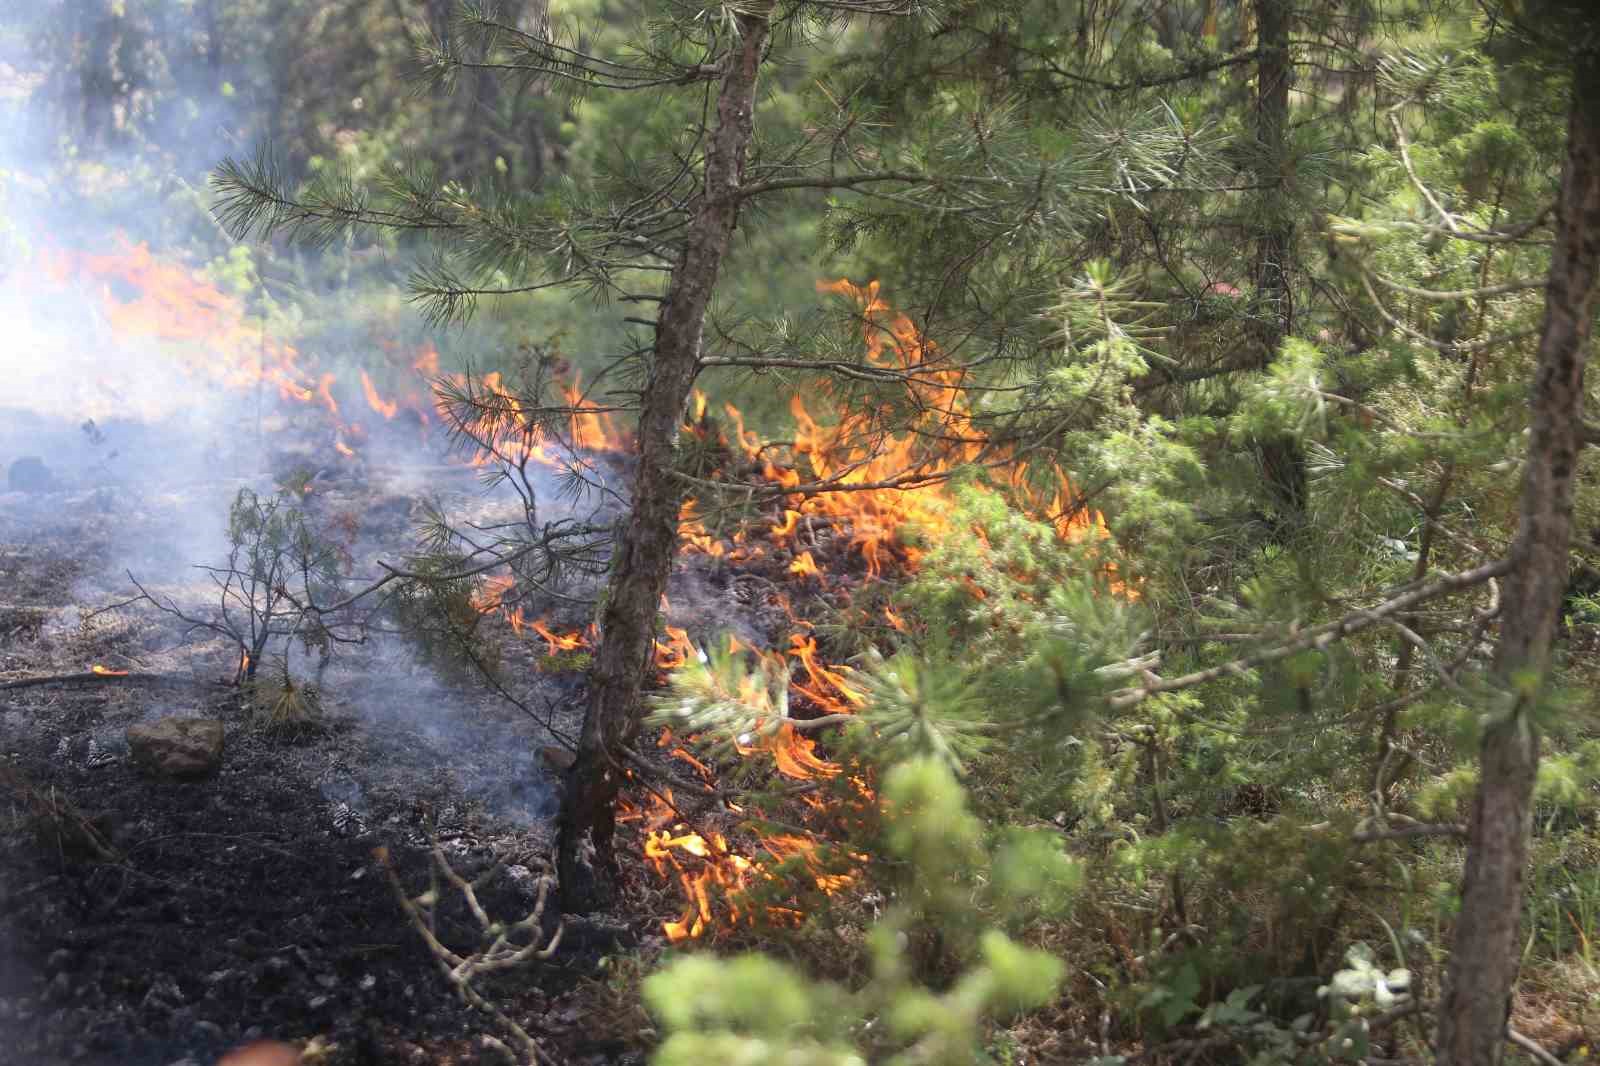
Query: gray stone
177, 747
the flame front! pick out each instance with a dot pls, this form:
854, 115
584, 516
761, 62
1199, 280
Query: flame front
862, 479
857, 478
709, 871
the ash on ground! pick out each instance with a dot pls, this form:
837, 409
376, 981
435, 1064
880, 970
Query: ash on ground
152, 921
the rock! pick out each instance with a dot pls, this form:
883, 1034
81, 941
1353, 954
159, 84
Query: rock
177, 747
29, 474
558, 759
262, 1053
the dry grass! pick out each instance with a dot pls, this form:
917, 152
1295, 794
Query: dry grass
1557, 1004
55, 821
280, 706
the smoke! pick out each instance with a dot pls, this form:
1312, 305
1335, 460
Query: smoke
110, 116
152, 369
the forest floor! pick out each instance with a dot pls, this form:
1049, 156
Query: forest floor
199, 914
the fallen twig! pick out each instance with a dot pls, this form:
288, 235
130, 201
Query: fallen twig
92, 677
497, 950
1402, 828
1528, 1044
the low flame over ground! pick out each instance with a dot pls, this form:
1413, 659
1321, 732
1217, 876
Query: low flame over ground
861, 483
853, 479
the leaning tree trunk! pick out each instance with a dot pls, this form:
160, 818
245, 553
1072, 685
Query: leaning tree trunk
649, 542
1483, 959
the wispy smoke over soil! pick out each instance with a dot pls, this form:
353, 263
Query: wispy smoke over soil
250, 896
137, 397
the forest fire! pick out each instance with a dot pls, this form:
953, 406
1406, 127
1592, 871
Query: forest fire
863, 484
708, 870
402, 662
558, 642
209, 337
884, 483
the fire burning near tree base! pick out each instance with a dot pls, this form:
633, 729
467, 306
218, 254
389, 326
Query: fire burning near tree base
756, 587
469, 594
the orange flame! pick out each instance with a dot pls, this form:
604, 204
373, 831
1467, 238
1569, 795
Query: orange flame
106, 671
805, 566
387, 408
708, 870
325, 394
871, 484
558, 642
874, 483
853, 480
592, 427
209, 335
677, 650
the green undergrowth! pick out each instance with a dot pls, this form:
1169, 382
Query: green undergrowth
1190, 861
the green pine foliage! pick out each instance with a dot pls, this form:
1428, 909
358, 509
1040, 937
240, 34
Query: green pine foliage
754, 1009
1241, 839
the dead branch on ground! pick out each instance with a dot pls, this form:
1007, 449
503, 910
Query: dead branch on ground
497, 950
96, 677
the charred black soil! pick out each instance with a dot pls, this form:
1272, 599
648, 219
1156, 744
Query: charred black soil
153, 921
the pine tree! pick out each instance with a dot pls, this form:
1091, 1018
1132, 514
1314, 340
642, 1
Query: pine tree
1484, 957
673, 218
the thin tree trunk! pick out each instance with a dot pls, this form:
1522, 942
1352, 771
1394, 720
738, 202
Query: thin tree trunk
1282, 462
100, 28
1484, 957
648, 544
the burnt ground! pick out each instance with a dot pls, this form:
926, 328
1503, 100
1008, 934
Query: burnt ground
250, 902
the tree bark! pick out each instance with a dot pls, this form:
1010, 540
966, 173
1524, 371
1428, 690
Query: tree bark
1283, 464
1483, 960
649, 542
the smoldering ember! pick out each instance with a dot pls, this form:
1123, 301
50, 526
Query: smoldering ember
866, 531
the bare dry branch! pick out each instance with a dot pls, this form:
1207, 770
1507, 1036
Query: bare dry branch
496, 951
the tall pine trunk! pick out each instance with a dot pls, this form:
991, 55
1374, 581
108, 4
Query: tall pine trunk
1484, 957
1283, 464
649, 542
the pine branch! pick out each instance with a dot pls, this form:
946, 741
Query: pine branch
1197, 69
1458, 294
1318, 637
